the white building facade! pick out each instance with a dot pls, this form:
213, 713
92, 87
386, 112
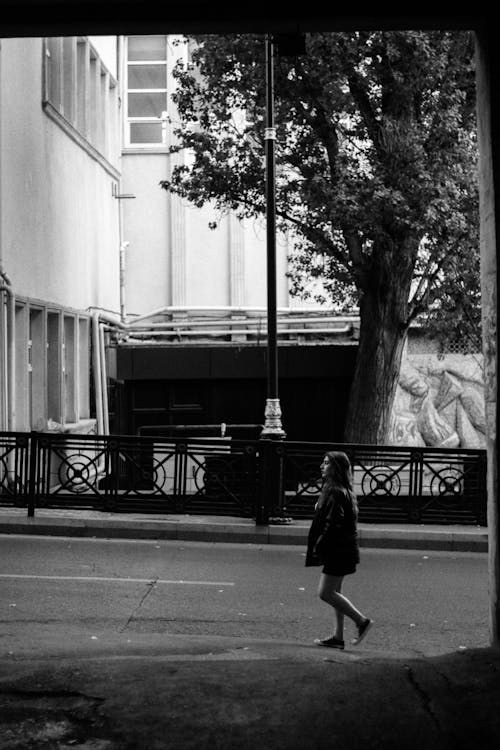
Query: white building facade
59, 231
172, 253
86, 229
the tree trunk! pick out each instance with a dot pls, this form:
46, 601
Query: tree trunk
382, 336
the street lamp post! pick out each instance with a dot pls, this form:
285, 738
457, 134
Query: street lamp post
270, 508
272, 425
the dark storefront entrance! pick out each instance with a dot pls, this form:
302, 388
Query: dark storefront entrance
165, 386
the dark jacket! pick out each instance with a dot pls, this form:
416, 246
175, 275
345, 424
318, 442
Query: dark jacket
333, 536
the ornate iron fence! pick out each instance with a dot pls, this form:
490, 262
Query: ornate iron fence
405, 485
126, 473
14, 468
224, 476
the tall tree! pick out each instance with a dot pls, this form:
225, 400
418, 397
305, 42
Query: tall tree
376, 174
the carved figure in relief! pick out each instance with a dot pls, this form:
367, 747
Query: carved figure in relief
440, 404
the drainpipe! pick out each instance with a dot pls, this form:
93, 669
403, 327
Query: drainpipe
9, 354
103, 316
100, 322
123, 314
11, 346
6, 329
119, 196
104, 381
4, 376
97, 373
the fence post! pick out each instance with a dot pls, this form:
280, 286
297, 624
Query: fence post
32, 477
112, 481
262, 503
270, 491
180, 476
416, 486
481, 498
278, 509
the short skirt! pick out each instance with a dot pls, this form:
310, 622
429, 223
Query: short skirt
337, 569
342, 561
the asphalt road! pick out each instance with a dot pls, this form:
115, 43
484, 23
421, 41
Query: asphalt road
65, 594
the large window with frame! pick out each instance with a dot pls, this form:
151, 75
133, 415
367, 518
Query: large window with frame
146, 82
22, 352
37, 375
69, 373
52, 366
81, 95
83, 369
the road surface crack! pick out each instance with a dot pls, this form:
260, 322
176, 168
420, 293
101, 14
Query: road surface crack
424, 698
447, 681
50, 694
149, 588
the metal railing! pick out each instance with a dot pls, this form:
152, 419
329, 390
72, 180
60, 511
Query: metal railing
395, 484
226, 476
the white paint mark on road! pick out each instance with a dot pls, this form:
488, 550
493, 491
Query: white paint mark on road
114, 579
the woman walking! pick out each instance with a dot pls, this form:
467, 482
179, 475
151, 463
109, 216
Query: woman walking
333, 543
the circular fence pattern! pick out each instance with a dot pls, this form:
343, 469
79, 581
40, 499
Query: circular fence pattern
78, 472
216, 471
380, 480
447, 483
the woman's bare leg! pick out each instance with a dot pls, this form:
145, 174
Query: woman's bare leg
329, 591
339, 632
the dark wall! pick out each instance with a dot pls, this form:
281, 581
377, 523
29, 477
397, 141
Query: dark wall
74, 17
197, 386
228, 362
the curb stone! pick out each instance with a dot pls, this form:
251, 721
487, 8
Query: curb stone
232, 530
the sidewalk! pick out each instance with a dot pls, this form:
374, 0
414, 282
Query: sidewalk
85, 523
128, 689
173, 692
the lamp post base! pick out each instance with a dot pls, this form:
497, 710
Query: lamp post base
272, 420
273, 470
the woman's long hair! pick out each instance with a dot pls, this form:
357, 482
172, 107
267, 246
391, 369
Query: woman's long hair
339, 476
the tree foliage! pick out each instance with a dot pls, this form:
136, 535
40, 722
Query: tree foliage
376, 177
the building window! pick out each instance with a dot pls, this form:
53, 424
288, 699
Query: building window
36, 369
146, 81
22, 363
83, 83
54, 366
53, 72
69, 80
69, 369
80, 94
83, 368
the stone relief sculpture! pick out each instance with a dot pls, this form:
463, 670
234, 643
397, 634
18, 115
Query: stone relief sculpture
440, 403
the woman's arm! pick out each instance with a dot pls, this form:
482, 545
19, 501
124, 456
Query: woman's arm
331, 525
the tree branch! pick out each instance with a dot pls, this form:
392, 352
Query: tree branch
359, 92
354, 247
308, 231
320, 122
427, 283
